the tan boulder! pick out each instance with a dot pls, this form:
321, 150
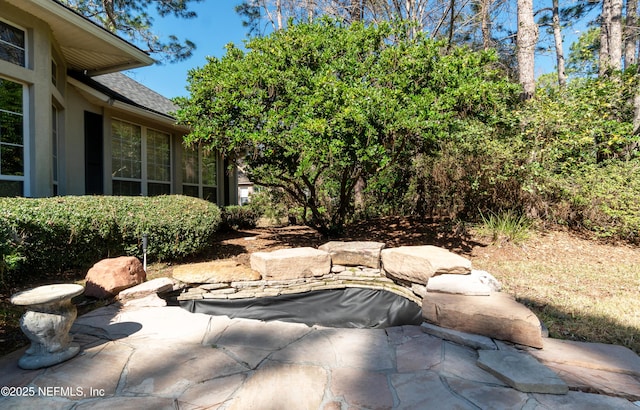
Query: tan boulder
217, 271
356, 253
152, 287
285, 264
109, 276
497, 316
418, 263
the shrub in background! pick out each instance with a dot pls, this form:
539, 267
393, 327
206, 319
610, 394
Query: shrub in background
602, 198
240, 217
56, 234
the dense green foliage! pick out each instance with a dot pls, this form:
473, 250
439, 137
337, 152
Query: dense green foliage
55, 234
357, 121
583, 161
240, 217
319, 107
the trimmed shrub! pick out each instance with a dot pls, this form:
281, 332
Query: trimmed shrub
55, 234
240, 217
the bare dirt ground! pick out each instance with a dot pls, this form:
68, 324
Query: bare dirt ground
581, 289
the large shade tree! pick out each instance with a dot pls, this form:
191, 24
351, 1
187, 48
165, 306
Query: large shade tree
317, 107
133, 19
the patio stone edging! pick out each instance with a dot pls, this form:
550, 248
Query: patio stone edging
277, 273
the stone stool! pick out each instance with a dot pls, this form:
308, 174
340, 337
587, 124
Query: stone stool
46, 323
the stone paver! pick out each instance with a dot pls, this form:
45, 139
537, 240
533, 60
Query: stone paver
362, 389
426, 390
282, 386
521, 371
598, 356
167, 358
463, 338
487, 396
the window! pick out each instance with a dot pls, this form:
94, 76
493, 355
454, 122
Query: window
140, 160
11, 138
12, 44
54, 147
200, 175
158, 163
244, 196
126, 158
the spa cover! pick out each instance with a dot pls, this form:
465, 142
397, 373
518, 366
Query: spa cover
346, 308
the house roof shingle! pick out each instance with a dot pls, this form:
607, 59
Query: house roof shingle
136, 92
125, 89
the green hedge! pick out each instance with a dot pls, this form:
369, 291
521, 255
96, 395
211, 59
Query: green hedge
55, 234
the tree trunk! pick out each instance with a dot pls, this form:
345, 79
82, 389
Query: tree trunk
485, 23
615, 43
452, 20
636, 114
610, 36
557, 36
605, 34
279, 13
630, 36
527, 38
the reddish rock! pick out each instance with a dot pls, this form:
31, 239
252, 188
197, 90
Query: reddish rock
109, 276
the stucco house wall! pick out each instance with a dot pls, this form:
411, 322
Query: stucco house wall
58, 93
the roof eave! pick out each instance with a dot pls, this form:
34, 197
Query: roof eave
52, 11
107, 101
98, 31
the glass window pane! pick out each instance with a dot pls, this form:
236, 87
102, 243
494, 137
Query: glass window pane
209, 168
210, 194
190, 166
190, 190
10, 128
158, 156
126, 156
11, 188
12, 41
154, 189
11, 161
10, 96
126, 188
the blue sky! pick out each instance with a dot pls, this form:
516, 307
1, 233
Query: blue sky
218, 24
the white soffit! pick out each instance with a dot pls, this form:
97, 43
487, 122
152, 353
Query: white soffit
86, 46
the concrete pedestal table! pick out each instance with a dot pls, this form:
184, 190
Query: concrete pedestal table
46, 323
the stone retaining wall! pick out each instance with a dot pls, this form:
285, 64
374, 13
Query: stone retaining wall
472, 305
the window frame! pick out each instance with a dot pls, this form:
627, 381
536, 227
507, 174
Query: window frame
200, 185
55, 149
22, 179
25, 49
144, 179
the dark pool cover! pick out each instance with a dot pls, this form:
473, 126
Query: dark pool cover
347, 308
